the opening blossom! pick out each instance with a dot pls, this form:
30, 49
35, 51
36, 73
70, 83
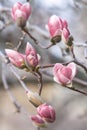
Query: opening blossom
21, 12
47, 112
29, 59
57, 28
64, 74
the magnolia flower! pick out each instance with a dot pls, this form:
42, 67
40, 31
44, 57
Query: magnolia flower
56, 27
21, 12
15, 58
38, 121
47, 112
32, 57
64, 74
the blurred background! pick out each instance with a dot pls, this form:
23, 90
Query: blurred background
71, 107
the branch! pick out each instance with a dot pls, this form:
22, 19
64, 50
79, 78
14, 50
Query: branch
76, 90
20, 42
35, 40
76, 61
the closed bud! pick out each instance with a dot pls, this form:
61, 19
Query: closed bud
34, 98
47, 112
15, 58
20, 13
54, 25
38, 121
32, 58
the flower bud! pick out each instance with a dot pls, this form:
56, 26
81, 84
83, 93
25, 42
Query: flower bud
65, 35
15, 58
34, 98
38, 121
20, 13
32, 58
64, 74
47, 112
55, 27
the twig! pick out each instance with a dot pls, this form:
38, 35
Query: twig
76, 61
76, 90
77, 80
20, 42
35, 40
16, 104
42, 32
40, 82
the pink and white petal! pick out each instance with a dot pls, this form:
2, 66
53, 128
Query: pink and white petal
56, 67
73, 68
19, 14
26, 8
16, 6
66, 71
58, 32
64, 80
56, 80
38, 57
65, 24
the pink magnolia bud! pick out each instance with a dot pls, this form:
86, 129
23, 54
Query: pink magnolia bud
55, 26
64, 74
32, 57
47, 112
21, 12
15, 58
38, 121
65, 35
65, 24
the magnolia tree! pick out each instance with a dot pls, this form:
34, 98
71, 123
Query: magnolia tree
63, 73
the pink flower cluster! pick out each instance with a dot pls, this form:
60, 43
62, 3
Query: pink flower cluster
46, 113
64, 74
21, 12
30, 58
58, 28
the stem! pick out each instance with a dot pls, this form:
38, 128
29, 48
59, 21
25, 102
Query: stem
20, 42
76, 61
16, 104
40, 82
35, 40
76, 90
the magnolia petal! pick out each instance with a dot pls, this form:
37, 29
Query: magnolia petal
64, 80
56, 67
73, 68
26, 8
56, 80
39, 57
65, 34
54, 24
28, 49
